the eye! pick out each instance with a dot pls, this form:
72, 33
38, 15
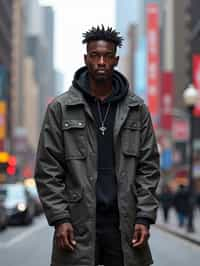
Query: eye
93, 55
110, 56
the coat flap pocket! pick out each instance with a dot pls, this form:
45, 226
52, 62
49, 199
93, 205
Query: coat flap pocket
74, 195
68, 124
130, 152
133, 125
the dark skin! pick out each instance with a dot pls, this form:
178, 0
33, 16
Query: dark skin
100, 60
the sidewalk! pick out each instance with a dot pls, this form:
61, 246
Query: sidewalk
172, 227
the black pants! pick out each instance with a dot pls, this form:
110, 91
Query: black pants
108, 250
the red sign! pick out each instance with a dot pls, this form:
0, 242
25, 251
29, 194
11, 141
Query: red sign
153, 61
180, 130
167, 100
196, 80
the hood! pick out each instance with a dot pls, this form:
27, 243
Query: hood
120, 85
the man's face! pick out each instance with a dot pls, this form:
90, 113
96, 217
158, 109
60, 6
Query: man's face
101, 59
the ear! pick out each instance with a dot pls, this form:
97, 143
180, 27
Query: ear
116, 60
85, 59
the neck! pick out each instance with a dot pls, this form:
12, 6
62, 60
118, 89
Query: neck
100, 89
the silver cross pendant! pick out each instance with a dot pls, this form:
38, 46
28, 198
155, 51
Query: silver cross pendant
102, 129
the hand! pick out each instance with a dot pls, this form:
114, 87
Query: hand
140, 236
65, 236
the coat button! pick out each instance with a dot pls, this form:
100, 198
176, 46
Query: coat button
123, 173
80, 124
91, 178
74, 195
66, 124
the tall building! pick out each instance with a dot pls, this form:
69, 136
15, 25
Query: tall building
5, 32
125, 24
39, 46
31, 96
18, 53
126, 14
180, 42
49, 39
23, 101
5, 70
193, 49
181, 34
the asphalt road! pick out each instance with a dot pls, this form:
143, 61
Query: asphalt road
26, 245
169, 250
31, 246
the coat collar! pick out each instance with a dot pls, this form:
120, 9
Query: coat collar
75, 97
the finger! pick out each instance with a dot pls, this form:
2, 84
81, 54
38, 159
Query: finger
62, 243
67, 243
135, 237
141, 240
59, 242
71, 238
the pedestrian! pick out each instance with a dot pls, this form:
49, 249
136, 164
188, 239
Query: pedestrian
97, 165
181, 204
198, 200
166, 201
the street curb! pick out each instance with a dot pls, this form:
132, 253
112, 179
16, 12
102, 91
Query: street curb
178, 234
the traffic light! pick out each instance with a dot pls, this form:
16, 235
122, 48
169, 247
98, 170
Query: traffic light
11, 167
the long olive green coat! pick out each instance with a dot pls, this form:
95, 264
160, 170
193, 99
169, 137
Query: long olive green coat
66, 173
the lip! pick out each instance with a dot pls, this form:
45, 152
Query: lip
101, 71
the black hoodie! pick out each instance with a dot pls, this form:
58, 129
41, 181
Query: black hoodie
106, 185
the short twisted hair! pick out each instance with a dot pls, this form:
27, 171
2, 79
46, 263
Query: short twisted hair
109, 34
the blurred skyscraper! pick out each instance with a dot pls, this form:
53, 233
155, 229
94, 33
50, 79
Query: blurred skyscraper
26, 75
17, 99
49, 38
5, 32
141, 57
126, 12
40, 35
5, 70
193, 56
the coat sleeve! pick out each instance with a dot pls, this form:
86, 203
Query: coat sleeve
148, 170
50, 169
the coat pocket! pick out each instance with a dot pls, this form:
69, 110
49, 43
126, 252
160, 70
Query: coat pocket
131, 138
78, 210
74, 133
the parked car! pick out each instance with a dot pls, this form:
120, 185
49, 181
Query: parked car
3, 217
18, 203
34, 194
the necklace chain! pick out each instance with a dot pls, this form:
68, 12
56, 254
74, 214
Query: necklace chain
102, 128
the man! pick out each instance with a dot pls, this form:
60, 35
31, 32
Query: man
97, 165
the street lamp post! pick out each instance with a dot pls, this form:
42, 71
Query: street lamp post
190, 96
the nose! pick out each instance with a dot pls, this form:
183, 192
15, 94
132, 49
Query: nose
101, 60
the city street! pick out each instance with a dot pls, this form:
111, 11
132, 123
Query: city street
171, 250
26, 245
31, 246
